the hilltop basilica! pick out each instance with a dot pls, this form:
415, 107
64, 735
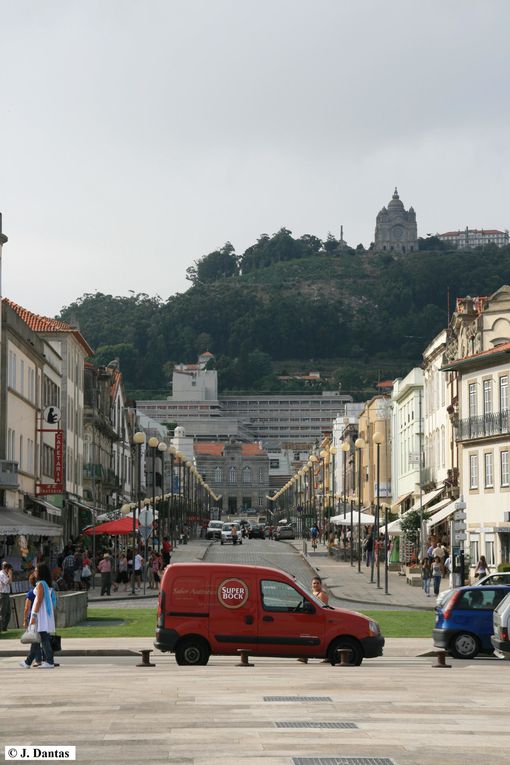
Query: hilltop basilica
395, 228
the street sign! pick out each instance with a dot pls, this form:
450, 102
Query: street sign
52, 415
460, 536
459, 526
145, 531
146, 517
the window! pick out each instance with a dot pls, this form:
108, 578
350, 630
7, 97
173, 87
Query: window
261, 475
218, 475
473, 549
279, 596
487, 396
11, 440
503, 393
20, 460
246, 475
504, 468
488, 470
443, 447
489, 552
472, 400
232, 475
473, 471
22, 377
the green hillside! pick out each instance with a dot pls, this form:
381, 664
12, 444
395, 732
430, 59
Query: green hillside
287, 306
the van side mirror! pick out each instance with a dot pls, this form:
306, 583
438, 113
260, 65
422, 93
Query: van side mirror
308, 607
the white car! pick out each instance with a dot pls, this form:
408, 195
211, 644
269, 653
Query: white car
501, 624
498, 577
214, 530
226, 534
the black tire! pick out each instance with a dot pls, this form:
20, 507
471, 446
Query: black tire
463, 645
192, 651
345, 642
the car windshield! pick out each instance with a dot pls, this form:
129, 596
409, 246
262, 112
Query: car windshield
313, 597
227, 527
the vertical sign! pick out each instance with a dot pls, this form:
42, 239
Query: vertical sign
58, 473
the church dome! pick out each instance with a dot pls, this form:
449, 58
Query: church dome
396, 202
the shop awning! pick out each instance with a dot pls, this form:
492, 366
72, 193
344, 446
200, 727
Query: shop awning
13, 522
401, 499
442, 514
426, 499
113, 528
345, 520
395, 527
48, 506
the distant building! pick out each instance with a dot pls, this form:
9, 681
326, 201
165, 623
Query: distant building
395, 228
470, 238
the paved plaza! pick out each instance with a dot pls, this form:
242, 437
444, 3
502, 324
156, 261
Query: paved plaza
394, 710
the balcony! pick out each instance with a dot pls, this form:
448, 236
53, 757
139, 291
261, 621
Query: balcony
484, 426
8, 474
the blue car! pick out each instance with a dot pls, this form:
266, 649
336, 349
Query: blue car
464, 620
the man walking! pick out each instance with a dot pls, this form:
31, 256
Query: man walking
5, 595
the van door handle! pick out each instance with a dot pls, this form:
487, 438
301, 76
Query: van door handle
267, 619
248, 619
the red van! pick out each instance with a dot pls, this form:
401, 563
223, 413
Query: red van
217, 608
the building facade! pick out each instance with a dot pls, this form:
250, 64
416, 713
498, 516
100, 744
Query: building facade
395, 228
470, 238
407, 437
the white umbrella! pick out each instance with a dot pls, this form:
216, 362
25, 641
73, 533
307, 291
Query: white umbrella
345, 520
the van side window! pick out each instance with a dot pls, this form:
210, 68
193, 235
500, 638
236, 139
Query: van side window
279, 596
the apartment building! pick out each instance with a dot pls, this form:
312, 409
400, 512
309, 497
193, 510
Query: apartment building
469, 238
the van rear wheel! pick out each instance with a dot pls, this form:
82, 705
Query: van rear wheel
356, 652
192, 651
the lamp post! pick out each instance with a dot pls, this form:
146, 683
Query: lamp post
313, 459
378, 439
333, 450
153, 443
323, 457
138, 440
346, 447
161, 527
359, 444
172, 452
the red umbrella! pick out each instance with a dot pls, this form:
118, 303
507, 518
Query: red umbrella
113, 528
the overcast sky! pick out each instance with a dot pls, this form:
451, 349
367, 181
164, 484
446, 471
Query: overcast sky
138, 135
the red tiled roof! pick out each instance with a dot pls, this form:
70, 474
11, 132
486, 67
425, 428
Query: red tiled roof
473, 231
502, 348
44, 324
385, 384
215, 449
206, 353
252, 450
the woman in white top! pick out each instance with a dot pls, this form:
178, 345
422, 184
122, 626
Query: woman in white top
43, 612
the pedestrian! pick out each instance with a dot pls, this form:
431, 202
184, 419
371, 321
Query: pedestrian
34, 657
78, 565
314, 534
156, 568
426, 573
86, 571
138, 570
5, 595
68, 569
369, 547
43, 615
439, 552
482, 569
233, 531
105, 569
167, 551
319, 592
437, 574
122, 573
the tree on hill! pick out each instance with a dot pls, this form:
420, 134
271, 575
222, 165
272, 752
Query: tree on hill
220, 264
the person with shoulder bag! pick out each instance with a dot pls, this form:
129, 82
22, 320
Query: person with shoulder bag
42, 617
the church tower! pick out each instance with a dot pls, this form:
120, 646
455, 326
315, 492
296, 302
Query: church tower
395, 228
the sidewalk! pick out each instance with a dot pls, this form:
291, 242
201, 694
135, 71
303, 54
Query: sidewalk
345, 582
194, 550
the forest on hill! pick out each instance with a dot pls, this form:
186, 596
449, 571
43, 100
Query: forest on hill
287, 306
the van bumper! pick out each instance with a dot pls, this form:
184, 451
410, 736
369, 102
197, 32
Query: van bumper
166, 640
373, 646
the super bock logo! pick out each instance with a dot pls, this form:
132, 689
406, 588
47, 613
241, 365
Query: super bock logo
233, 593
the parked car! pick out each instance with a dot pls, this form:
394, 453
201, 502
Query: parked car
214, 530
284, 532
226, 534
501, 625
261, 609
499, 577
464, 622
256, 531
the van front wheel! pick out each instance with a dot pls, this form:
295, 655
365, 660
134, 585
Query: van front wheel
192, 651
356, 652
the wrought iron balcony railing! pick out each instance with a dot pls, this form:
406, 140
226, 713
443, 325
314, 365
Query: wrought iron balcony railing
484, 426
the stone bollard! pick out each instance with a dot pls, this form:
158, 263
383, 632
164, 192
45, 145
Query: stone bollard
244, 658
441, 661
146, 652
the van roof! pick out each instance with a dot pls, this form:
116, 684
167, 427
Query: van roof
233, 569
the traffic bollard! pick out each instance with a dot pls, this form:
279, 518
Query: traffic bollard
244, 658
146, 652
441, 661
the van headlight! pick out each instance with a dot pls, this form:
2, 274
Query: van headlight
374, 628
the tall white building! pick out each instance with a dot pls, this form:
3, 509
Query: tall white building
470, 238
440, 463
407, 436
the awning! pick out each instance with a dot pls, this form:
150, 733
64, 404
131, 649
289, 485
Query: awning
395, 527
113, 528
80, 504
345, 520
426, 499
401, 499
448, 507
50, 509
13, 522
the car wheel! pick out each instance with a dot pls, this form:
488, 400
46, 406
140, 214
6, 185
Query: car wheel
192, 651
464, 646
356, 655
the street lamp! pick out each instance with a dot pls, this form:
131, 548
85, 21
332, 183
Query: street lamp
346, 448
378, 439
313, 459
138, 440
323, 454
333, 451
359, 444
161, 526
153, 442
